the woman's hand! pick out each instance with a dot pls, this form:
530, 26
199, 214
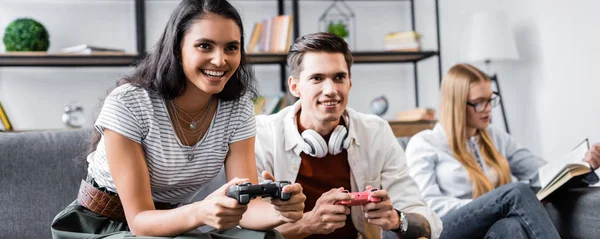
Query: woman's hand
220, 211
593, 156
291, 210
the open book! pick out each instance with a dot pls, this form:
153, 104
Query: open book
569, 169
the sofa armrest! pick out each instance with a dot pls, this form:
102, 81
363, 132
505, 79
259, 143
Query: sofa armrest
575, 212
40, 174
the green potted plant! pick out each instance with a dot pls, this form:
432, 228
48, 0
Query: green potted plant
338, 29
26, 34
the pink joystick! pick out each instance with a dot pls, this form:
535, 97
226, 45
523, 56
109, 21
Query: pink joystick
360, 198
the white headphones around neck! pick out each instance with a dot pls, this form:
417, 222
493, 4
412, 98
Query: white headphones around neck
315, 146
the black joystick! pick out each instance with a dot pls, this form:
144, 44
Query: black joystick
245, 192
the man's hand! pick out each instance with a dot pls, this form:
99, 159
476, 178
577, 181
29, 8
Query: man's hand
381, 213
326, 217
384, 215
593, 156
291, 210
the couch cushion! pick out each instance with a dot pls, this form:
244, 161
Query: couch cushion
40, 174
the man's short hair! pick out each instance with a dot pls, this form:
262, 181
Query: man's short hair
317, 42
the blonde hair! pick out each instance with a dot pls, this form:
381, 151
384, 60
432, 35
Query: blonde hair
453, 104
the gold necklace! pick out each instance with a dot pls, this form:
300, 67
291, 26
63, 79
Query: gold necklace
191, 155
193, 122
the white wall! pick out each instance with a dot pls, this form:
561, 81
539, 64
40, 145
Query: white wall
550, 93
111, 23
515, 78
567, 94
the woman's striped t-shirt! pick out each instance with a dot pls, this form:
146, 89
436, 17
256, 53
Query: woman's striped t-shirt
142, 117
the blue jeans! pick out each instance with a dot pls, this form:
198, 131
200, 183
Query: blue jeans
509, 211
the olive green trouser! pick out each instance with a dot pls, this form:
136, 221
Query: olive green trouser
76, 222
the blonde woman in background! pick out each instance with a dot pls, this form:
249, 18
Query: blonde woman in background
464, 166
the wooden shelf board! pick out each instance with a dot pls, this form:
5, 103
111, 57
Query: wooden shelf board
113, 59
410, 128
391, 56
58, 59
267, 58
359, 57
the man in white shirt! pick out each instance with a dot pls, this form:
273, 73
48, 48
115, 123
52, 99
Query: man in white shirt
328, 147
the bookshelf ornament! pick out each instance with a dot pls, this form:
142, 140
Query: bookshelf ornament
339, 19
73, 116
26, 34
379, 105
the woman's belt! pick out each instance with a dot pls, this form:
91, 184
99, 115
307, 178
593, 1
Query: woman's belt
106, 204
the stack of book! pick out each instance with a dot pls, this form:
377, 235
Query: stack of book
88, 49
271, 35
402, 41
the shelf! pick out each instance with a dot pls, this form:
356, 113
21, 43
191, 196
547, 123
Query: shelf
267, 58
408, 129
54, 60
359, 57
391, 56
66, 60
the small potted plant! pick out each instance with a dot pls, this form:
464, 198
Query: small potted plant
26, 34
339, 19
338, 29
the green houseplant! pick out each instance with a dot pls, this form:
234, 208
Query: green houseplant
338, 29
26, 34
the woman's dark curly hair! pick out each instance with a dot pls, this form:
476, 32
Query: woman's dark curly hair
160, 72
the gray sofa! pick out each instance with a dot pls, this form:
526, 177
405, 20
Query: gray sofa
40, 174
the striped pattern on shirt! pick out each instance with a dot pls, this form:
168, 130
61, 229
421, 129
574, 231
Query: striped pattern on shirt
143, 117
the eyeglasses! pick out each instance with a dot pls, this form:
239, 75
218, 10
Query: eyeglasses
481, 106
